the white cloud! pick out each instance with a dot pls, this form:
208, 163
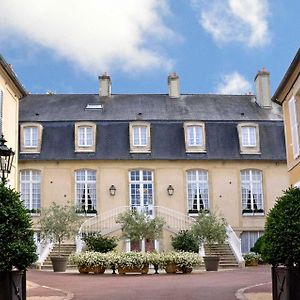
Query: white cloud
97, 35
244, 21
234, 84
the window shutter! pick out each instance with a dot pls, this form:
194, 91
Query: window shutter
294, 127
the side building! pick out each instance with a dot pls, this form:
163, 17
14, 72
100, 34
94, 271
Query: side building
167, 154
288, 95
11, 90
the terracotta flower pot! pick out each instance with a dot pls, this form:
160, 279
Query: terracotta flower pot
123, 270
171, 268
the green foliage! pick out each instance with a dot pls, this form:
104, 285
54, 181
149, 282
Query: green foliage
17, 247
282, 238
59, 223
136, 226
209, 229
185, 240
259, 246
97, 242
252, 257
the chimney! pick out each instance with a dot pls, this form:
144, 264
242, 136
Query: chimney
262, 85
104, 85
173, 83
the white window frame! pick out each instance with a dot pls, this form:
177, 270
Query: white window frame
139, 136
141, 190
197, 190
194, 143
294, 124
85, 190
249, 143
85, 141
30, 188
35, 141
252, 192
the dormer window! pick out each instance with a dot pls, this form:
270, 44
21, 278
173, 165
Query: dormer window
249, 138
31, 137
140, 140
194, 136
85, 137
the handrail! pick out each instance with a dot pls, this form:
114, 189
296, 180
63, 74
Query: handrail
44, 251
235, 245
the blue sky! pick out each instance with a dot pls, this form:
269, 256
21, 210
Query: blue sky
215, 46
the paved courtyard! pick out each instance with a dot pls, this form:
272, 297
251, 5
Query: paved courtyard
197, 285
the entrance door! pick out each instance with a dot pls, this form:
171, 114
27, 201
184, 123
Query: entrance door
141, 191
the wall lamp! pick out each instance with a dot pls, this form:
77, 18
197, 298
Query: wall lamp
170, 190
6, 159
112, 190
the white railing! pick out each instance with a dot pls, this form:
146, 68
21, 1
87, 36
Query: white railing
43, 250
235, 245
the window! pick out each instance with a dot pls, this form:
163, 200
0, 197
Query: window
249, 138
139, 133
85, 137
197, 190
248, 239
31, 137
141, 190
30, 189
194, 137
252, 195
86, 190
294, 126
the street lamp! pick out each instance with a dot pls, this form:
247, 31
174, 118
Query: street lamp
6, 159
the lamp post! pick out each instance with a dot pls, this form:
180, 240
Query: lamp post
6, 159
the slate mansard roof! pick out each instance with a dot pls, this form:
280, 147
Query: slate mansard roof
220, 113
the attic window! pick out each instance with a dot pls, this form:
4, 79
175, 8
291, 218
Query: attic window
249, 138
94, 106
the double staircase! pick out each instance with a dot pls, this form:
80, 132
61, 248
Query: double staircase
65, 250
227, 258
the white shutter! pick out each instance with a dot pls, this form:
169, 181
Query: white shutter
294, 127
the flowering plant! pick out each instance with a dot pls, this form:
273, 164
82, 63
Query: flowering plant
252, 257
132, 259
180, 259
155, 258
89, 259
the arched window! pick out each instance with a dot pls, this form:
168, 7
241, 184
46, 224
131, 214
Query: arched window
252, 192
197, 190
30, 188
85, 181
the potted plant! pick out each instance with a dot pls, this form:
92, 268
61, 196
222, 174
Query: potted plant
252, 259
133, 262
99, 243
155, 260
210, 229
57, 224
18, 250
185, 240
137, 226
282, 245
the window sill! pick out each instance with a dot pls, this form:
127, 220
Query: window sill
87, 214
253, 214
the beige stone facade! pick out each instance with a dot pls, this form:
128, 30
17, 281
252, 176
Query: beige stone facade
11, 91
288, 95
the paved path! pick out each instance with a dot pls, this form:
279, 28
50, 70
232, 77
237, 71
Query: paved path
196, 286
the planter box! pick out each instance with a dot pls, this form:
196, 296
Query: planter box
211, 263
59, 263
95, 270
285, 283
171, 268
124, 270
13, 285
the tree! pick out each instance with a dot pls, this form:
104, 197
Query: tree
137, 226
185, 240
17, 247
209, 229
59, 223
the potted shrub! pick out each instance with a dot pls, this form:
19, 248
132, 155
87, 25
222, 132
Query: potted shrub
137, 226
57, 224
97, 242
155, 260
282, 245
185, 240
133, 262
252, 259
210, 229
18, 250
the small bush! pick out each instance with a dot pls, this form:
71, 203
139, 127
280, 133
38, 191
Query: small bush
97, 242
185, 241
